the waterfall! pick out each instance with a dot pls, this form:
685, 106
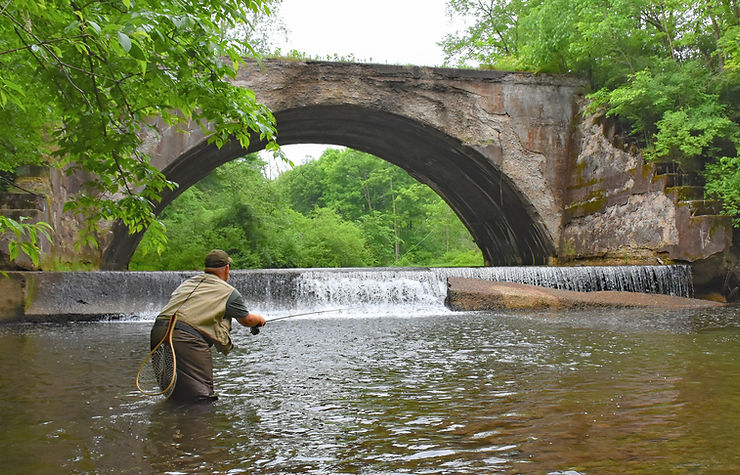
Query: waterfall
426, 288
669, 280
89, 295
340, 288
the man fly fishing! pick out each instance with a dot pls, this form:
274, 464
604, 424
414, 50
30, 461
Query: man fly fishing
205, 305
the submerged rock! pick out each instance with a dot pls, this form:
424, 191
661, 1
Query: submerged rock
476, 294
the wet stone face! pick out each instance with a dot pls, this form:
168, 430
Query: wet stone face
395, 390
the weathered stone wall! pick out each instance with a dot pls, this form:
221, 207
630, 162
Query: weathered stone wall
41, 196
618, 208
63, 296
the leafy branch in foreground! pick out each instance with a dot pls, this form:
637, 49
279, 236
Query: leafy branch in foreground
26, 237
82, 81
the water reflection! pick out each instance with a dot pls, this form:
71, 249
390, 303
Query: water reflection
599, 391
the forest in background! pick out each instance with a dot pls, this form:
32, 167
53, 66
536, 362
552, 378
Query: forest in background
345, 209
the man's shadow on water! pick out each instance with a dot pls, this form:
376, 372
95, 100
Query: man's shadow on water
192, 437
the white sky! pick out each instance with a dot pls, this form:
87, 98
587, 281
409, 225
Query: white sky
378, 31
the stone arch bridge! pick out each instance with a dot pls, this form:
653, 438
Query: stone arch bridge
511, 153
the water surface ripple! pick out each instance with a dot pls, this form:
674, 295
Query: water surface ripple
598, 391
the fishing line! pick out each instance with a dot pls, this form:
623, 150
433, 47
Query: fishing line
256, 330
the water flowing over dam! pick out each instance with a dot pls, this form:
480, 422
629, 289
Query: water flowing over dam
142, 294
427, 287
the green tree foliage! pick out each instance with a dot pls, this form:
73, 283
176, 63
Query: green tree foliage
404, 222
80, 81
346, 209
669, 70
494, 33
724, 180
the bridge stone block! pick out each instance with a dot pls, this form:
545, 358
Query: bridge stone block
617, 207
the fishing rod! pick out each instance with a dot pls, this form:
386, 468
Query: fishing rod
256, 330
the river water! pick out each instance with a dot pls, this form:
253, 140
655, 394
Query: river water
598, 391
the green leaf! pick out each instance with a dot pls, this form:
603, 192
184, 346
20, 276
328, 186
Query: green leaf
72, 26
124, 41
94, 26
137, 53
148, 59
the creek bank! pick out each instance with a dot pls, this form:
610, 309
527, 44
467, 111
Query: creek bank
467, 294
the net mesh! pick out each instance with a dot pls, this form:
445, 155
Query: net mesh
163, 367
157, 374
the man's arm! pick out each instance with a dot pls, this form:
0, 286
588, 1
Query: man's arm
252, 320
237, 309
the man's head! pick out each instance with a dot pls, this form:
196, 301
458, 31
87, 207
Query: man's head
217, 262
217, 258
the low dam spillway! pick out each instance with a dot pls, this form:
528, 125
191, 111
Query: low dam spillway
90, 295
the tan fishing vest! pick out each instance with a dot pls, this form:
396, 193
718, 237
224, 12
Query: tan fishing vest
204, 308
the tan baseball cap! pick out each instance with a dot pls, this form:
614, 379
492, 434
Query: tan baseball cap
217, 258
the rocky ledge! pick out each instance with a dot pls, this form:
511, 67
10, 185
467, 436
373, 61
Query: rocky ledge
475, 294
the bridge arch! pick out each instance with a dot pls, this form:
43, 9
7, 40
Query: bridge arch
502, 221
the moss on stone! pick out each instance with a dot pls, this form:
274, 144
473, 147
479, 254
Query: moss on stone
593, 203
